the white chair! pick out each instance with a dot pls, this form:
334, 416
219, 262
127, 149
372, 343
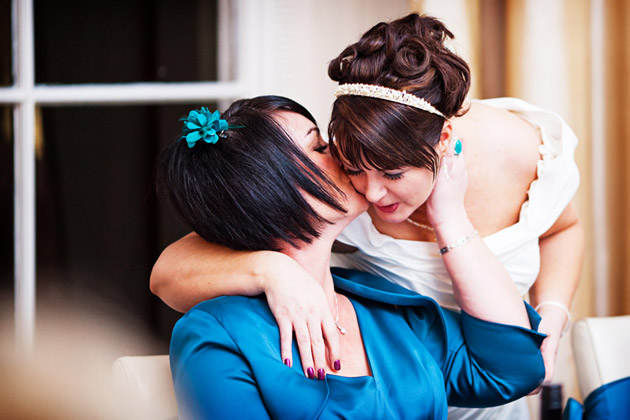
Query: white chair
144, 387
601, 347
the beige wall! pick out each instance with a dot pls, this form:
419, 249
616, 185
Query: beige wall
301, 37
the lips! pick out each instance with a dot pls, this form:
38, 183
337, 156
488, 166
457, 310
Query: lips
388, 209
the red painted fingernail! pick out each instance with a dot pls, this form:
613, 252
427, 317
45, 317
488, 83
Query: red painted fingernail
337, 364
310, 372
321, 374
287, 362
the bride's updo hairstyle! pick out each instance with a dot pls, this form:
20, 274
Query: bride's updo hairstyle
407, 54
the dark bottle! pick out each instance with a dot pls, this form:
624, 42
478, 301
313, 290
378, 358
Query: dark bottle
551, 402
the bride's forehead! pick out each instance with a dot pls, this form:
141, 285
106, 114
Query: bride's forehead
356, 160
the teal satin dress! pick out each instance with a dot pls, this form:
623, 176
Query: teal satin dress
610, 401
226, 364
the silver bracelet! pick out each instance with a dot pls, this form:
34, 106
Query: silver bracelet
561, 306
459, 242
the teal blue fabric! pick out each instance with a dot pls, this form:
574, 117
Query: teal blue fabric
225, 360
608, 402
573, 410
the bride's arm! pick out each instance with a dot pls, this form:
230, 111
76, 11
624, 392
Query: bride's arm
561, 254
192, 270
487, 360
482, 286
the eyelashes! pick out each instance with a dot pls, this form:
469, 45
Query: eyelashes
392, 177
351, 172
322, 148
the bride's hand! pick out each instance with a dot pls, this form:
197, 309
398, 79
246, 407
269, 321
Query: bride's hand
552, 323
299, 304
446, 202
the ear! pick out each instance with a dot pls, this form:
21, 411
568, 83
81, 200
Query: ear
445, 139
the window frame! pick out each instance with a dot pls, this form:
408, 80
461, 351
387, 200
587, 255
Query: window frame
24, 96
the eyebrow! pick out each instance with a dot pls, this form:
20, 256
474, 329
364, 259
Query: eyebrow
310, 131
314, 128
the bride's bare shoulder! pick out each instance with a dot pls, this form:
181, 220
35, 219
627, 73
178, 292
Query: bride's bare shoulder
499, 138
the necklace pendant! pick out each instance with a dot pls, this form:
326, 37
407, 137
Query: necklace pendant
341, 329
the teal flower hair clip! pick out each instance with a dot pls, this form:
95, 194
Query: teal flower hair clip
203, 125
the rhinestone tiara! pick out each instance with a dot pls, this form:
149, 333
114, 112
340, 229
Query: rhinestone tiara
385, 93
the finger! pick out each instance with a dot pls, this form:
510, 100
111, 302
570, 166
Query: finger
450, 153
444, 167
458, 164
318, 349
331, 335
286, 342
448, 161
303, 339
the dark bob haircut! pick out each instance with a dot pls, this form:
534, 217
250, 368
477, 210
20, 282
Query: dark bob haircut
406, 54
246, 191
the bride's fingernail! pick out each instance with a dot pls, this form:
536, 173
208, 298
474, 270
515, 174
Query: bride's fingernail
337, 364
287, 362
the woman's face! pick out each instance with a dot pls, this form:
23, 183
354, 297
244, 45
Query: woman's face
394, 194
307, 136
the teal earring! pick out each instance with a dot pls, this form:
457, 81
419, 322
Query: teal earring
458, 147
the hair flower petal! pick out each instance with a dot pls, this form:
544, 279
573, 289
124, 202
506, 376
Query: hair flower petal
203, 125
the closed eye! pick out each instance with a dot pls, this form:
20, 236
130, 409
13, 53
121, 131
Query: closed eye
393, 176
322, 148
352, 172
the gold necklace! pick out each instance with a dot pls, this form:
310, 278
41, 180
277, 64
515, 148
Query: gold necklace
420, 225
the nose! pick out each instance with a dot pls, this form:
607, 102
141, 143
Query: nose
373, 190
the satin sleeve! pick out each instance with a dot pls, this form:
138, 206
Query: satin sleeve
211, 377
485, 363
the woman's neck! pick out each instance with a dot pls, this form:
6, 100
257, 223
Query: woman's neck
315, 259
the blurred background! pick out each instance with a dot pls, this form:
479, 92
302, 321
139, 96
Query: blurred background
90, 92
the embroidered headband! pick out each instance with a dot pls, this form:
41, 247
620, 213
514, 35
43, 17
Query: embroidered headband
387, 94
203, 125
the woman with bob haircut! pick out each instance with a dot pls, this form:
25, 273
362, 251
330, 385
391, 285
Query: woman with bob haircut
260, 178
401, 103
